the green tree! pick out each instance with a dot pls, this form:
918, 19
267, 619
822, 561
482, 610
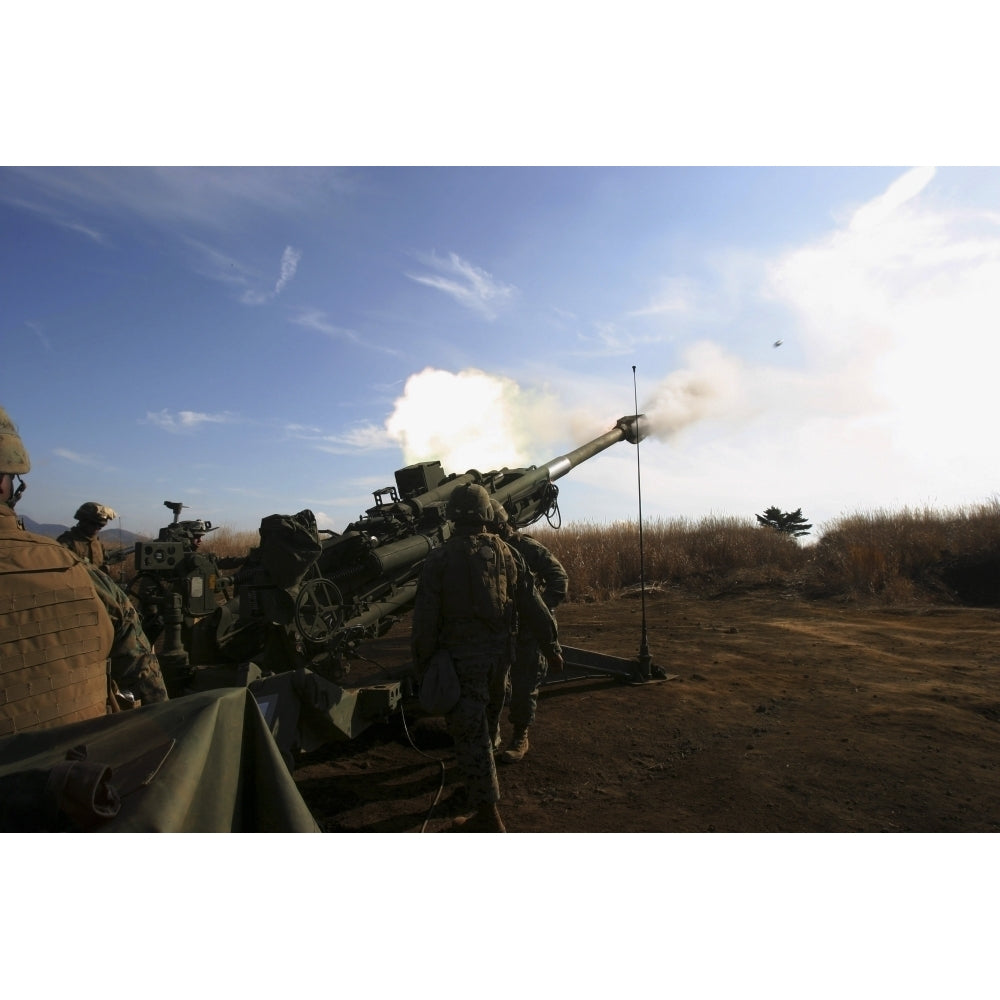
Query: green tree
792, 523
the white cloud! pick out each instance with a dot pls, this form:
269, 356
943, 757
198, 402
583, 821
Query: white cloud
611, 339
90, 461
59, 217
366, 437
467, 284
290, 258
316, 319
884, 400
188, 198
187, 420
881, 209
678, 298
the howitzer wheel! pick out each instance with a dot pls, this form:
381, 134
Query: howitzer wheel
319, 610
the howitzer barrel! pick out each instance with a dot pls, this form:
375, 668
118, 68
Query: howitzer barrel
443, 493
631, 429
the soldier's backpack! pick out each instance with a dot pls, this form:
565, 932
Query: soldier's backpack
289, 545
477, 579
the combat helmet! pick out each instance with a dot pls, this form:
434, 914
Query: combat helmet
185, 531
92, 512
13, 455
470, 504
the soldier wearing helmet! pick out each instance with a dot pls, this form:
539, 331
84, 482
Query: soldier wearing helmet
91, 518
190, 533
71, 641
474, 594
529, 666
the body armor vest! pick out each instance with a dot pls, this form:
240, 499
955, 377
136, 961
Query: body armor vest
55, 636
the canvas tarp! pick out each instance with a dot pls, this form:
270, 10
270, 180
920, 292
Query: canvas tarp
202, 763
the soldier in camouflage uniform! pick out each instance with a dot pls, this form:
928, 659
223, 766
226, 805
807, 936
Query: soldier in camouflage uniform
529, 666
474, 593
135, 668
82, 539
68, 635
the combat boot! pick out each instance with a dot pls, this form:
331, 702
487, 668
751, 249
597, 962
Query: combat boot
486, 819
518, 748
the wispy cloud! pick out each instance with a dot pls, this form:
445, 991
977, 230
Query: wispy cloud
184, 205
881, 209
290, 258
316, 319
90, 461
59, 217
609, 339
226, 269
37, 330
366, 437
679, 297
219, 266
193, 198
187, 420
360, 438
467, 284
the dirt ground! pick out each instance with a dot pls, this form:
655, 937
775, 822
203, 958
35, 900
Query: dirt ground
781, 715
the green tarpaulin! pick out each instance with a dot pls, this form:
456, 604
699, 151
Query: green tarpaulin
202, 763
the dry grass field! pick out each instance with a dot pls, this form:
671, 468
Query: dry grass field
884, 556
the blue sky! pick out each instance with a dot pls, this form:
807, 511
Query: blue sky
259, 340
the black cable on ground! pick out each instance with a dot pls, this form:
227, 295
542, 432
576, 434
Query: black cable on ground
409, 739
437, 760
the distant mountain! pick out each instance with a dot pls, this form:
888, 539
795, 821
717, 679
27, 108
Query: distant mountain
111, 537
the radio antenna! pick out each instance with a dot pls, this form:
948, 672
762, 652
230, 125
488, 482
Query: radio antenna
645, 660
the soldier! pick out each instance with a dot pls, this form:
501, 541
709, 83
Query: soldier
190, 533
529, 666
474, 593
91, 518
69, 640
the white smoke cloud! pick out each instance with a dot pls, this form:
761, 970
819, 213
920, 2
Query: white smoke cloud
900, 306
470, 420
711, 386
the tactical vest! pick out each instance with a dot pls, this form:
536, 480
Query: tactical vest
88, 549
55, 636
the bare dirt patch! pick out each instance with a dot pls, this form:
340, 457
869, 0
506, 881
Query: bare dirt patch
785, 715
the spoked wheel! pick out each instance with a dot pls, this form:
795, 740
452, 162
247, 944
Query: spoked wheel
319, 610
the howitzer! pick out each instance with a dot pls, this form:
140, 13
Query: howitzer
175, 586
119, 555
364, 579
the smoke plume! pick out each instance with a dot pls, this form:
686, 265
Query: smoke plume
474, 420
710, 386
470, 420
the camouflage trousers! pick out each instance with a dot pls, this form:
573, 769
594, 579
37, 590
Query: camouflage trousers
526, 674
482, 681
